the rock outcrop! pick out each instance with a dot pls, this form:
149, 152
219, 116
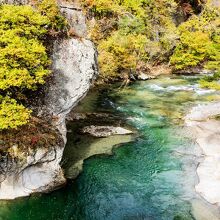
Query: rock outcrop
38, 172
204, 121
74, 68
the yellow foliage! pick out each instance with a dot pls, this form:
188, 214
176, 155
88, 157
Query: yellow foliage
198, 42
23, 57
50, 9
121, 53
192, 50
131, 32
12, 115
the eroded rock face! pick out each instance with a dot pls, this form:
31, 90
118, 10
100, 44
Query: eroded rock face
29, 159
74, 65
74, 68
76, 19
38, 172
203, 120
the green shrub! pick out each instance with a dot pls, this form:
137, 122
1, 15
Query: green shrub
200, 45
199, 41
23, 58
12, 114
192, 50
24, 63
214, 54
117, 54
23, 20
50, 10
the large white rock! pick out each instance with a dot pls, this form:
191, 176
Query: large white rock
40, 172
207, 133
74, 66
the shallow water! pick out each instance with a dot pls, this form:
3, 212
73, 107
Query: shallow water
152, 177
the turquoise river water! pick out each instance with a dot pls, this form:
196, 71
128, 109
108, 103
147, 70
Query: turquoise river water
152, 177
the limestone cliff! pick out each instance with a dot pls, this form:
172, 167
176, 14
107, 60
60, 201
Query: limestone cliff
74, 68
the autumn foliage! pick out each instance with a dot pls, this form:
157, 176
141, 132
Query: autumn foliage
24, 62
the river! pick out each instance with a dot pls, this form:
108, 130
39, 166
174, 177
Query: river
149, 176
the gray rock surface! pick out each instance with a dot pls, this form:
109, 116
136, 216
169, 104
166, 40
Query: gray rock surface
144, 76
203, 121
38, 172
105, 131
75, 17
75, 66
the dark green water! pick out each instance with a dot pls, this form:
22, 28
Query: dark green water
151, 178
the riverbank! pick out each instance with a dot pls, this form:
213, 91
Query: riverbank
204, 122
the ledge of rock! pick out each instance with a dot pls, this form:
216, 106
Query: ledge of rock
30, 162
192, 71
105, 131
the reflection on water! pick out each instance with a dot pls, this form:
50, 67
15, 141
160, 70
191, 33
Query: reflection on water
150, 178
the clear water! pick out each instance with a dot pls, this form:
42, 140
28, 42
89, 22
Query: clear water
151, 178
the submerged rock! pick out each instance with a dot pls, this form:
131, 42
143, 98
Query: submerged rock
88, 147
90, 116
105, 131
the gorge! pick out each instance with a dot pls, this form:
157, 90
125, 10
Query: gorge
127, 124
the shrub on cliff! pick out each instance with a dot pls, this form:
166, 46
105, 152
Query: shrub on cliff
50, 9
198, 44
12, 114
24, 63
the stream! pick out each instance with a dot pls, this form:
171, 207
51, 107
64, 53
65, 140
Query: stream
150, 175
